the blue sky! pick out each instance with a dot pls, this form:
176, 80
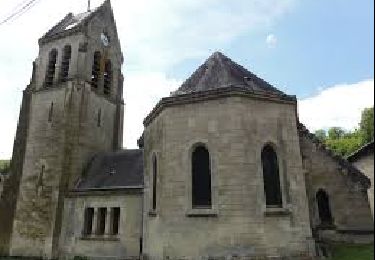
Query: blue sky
322, 51
319, 44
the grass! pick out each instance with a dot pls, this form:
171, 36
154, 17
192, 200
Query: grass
353, 252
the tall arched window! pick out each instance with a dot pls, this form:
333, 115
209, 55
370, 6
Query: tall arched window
324, 208
96, 70
154, 180
65, 63
201, 178
51, 67
271, 177
107, 77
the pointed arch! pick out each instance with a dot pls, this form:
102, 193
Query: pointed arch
324, 208
271, 177
201, 178
51, 68
107, 77
65, 63
95, 72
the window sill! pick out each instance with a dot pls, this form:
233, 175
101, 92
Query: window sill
152, 213
100, 238
192, 213
277, 212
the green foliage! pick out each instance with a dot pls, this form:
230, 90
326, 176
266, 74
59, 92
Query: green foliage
367, 125
353, 252
4, 166
344, 142
335, 133
321, 134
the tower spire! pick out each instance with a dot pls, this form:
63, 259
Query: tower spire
88, 6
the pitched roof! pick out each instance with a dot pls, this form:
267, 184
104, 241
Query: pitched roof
218, 71
363, 151
122, 169
72, 22
355, 174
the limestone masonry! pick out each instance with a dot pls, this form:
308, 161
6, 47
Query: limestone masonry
224, 168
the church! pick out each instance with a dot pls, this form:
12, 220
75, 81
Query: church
224, 169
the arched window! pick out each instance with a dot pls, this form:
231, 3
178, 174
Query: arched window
65, 63
324, 208
271, 177
154, 180
96, 70
51, 67
201, 178
107, 77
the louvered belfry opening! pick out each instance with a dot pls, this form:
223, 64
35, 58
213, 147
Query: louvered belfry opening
201, 178
51, 67
324, 208
95, 74
65, 63
271, 177
107, 77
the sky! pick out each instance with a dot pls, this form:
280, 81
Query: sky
321, 51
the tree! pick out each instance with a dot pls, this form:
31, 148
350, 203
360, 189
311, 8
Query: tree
367, 125
335, 133
4, 166
321, 134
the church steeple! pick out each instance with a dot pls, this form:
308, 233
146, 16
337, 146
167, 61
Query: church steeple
74, 110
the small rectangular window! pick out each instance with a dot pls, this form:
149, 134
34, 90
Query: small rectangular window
88, 218
115, 221
102, 214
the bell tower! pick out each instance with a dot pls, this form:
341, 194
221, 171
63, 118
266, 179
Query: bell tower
74, 110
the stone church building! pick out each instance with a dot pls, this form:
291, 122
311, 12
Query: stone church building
224, 168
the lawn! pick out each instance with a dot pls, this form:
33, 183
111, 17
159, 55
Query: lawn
353, 252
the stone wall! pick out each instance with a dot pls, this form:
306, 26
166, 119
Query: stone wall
69, 123
347, 196
366, 165
125, 245
8, 199
234, 129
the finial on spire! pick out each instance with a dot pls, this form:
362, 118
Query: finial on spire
88, 6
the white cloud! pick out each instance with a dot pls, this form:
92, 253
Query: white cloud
156, 35
340, 105
142, 91
271, 41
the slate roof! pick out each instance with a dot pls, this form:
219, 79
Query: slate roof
363, 151
122, 169
72, 22
218, 71
69, 22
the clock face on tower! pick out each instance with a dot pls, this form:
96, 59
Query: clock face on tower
104, 39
